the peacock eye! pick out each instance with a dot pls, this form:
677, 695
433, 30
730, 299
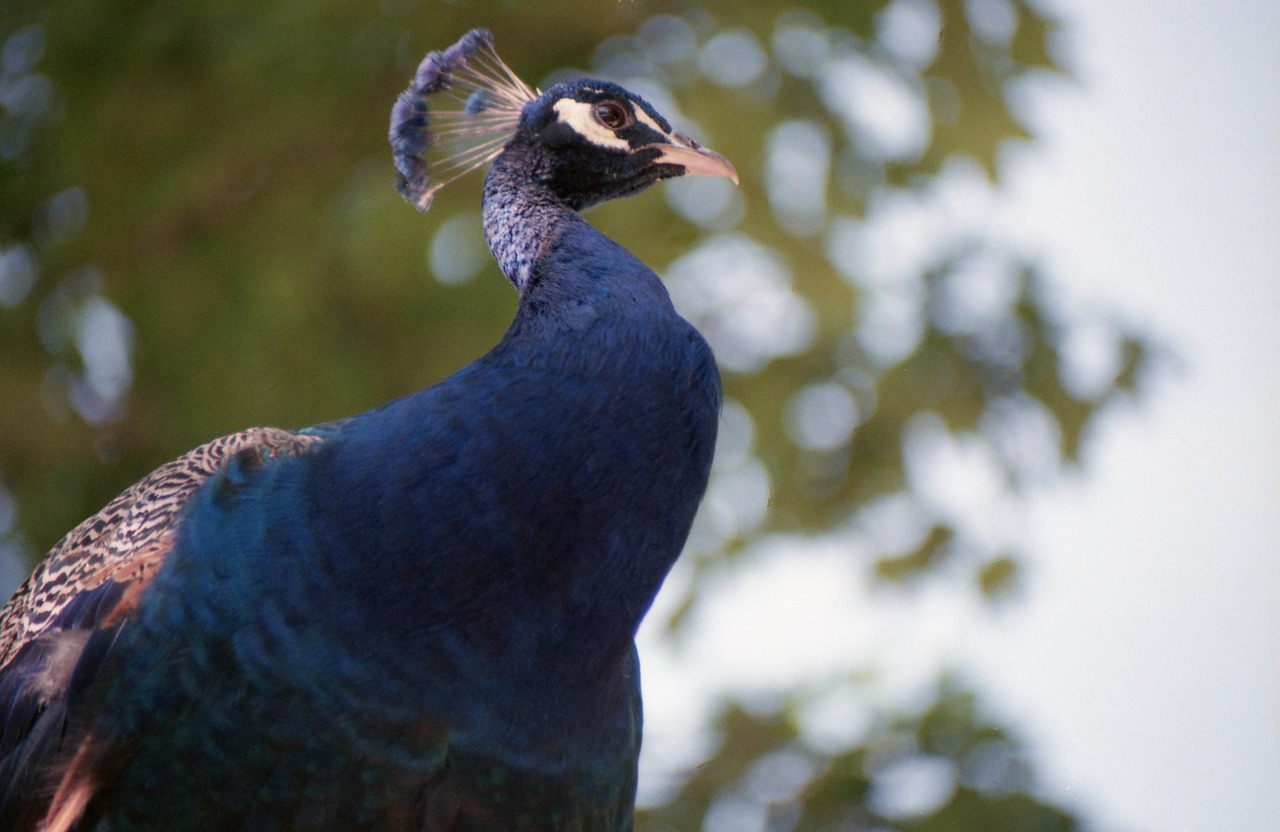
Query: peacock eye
611, 114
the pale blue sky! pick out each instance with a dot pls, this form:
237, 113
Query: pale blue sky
1144, 661
1157, 609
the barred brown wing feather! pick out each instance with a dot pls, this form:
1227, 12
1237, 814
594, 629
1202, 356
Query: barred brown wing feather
130, 537
90, 582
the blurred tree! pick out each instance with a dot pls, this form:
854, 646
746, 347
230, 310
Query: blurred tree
199, 233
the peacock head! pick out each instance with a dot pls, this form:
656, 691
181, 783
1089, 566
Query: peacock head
599, 141
587, 140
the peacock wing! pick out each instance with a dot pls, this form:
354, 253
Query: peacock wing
92, 580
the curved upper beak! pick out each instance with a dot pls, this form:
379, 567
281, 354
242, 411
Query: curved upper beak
695, 159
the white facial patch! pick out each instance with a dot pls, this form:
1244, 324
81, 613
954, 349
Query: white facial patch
648, 120
580, 115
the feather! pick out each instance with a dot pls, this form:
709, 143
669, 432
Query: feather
479, 106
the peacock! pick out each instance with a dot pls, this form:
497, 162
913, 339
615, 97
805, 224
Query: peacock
421, 617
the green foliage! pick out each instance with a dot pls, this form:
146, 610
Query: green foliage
943, 768
210, 183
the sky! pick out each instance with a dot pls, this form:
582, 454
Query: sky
1143, 662
1156, 610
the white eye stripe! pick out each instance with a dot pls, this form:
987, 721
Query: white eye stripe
649, 121
580, 115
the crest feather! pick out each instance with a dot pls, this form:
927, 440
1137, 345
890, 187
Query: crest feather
476, 109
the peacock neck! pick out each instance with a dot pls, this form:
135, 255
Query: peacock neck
521, 213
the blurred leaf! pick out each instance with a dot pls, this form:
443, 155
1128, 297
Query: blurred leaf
998, 576
925, 557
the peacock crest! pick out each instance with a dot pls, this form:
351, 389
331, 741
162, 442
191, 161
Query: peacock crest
477, 105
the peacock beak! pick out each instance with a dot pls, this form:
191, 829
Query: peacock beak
694, 158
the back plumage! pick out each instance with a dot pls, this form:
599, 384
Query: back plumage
421, 617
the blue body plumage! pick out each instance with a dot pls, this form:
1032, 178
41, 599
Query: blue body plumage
419, 618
